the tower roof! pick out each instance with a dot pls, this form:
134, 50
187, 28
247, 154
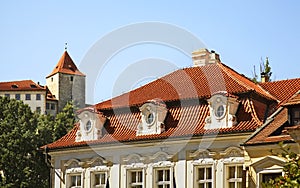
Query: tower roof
66, 65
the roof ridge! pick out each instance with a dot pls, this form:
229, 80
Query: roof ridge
272, 82
266, 94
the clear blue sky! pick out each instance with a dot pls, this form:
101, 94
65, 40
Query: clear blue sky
33, 33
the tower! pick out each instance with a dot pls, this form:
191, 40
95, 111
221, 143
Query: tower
67, 83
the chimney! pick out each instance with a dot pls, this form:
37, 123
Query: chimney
203, 57
264, 77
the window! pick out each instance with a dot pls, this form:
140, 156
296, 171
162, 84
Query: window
47, 106
267, 176
52, 79
75, 181
71, 78
38, 109
38, 97
52, 106
135, 178
100, 180
27, 97
203, 176
17, 96
163, 178
295, 116
7, 95
234, 176
220, 111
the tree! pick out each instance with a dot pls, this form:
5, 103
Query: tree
265, 69
64, 121
22, 133
291, 169
20, 159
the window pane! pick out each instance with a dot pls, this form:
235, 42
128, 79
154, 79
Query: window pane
140, 176
231, 172
103, 179
73, 180
239, 172
231, 185
239, 185
160, 174
27, 97
209, 185
200, 173
97, 179
167, 175
201, 185
38, 96
78, 180
208, 173
133, 177
18, 96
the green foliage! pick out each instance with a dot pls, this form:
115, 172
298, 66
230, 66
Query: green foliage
64, 121
291, 177
22, 133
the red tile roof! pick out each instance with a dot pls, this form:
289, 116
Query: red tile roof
264, 135
190, 84
293, 100
66, 65
22, 85
181, 121
282, 90
195, 82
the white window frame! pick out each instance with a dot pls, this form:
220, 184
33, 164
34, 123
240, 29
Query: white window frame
74, 172
165, 165
203, 163
98, 170
135, 167
129, 175
236, 179
232, 161
261, 173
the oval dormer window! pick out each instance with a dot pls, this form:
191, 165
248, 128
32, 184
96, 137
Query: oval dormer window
220, 111
150, 118
88, 125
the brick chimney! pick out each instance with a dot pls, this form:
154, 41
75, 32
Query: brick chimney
264, 77
203, 57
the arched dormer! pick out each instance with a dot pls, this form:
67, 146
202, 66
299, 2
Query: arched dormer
222, 108
153, 115
91, 125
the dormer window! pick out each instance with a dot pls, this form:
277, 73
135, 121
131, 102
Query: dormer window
222, 109
153, 115
90, 125
295, 116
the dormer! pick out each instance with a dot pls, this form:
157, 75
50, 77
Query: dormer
153, 114
90, 125
222, 108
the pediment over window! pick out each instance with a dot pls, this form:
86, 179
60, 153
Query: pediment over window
222, 108
91, 125
153, 115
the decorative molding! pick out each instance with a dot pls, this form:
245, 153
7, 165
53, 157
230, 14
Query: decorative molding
232, 152
160, 156
133, 158
90, 125
97, 161
202, 153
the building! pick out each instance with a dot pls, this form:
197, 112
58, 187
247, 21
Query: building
26, 90
65, 83
203, 126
